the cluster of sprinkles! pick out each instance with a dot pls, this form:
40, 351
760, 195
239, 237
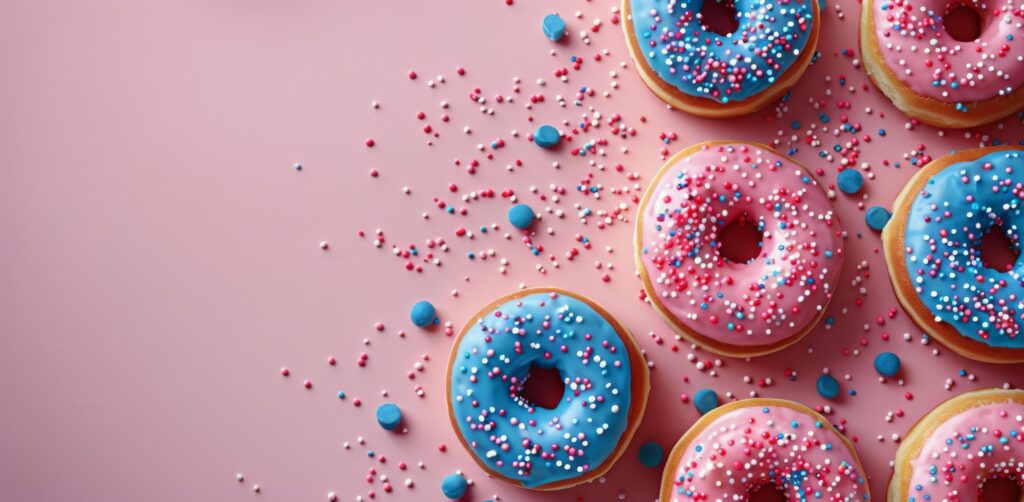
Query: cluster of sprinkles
789, 280
512, 435
969, 448
920, 52
837, 133
769, 39
947, 221
781, 447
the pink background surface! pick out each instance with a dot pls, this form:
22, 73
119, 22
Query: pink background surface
161, 262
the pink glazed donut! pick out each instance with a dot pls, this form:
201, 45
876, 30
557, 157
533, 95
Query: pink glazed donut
751, 444
963, 442
738, 309
931, 76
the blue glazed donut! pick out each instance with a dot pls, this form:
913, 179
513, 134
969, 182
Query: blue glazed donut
932, 245
709, 74
606, 386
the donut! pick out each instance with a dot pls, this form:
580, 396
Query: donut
737, 309
745, 445
934, 78
704, 73
606, 384
956, 447
932, 248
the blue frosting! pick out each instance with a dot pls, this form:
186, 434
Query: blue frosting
534, 445
724, 68
964, 201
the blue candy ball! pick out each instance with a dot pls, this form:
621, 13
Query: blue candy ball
546, 136
454, 486
877, 217
423, 314
705, 400
521, 216
389, 416
887, 364
554, 27
850, 181
828, 386
651, 454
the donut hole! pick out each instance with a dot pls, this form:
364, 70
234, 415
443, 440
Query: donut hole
542, 387
962, 22
740, 241
719, 16
767, 493
1000, 490
998, 251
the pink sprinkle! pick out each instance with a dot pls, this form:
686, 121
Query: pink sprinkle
332, 361
285, 372
370, 142
379, 326
412, 75
307, 384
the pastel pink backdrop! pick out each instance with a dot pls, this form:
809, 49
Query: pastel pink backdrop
161, 263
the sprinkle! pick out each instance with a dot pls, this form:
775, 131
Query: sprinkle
454, 486
554, 27
546, 136
389, 415
887, 364
651, 454
828, 386
521, 216
850, 181
424, 314
877, 217
705, 400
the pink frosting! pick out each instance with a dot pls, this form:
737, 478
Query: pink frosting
919, 51
767, 300
985, 442
777, 446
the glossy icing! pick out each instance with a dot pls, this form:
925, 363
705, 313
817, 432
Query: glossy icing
770, 37
772, 445
765, 301
533, 445
970, 447
947, 219
920, 53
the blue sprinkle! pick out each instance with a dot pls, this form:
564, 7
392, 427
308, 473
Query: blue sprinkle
651, 454
887, 364
850, 181
546, 136
423, 314
554, 27
521, 216
705, 400
454, 486
877, 217
828, 386
389, 415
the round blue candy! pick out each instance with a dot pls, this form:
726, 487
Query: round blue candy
521, 216
423, 314
454, 486
554, 27
887, 364
705, 400
828, 386
877, 217
389, 416
850, 181
546, 136
651, 454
